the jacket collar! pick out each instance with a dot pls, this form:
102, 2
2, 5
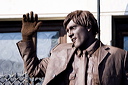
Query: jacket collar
102, 51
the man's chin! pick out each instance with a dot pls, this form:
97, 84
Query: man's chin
76, 46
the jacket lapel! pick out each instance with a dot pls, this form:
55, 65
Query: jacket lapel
65, 60
62, 59
103, 54
70, 53
102, 51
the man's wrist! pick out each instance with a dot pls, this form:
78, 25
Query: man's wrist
26, 39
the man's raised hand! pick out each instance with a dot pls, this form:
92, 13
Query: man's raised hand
30, 26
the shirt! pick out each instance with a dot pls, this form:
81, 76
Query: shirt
92, 70
85, 75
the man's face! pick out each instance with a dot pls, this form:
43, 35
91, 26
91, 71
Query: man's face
78, 34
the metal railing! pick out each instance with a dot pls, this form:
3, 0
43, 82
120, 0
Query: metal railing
19, 79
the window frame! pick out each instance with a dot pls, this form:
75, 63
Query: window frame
119, 30
48, 25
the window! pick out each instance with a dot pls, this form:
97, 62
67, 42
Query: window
126, 43
120, 31
45, 42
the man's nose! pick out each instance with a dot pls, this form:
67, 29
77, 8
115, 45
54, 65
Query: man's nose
70, 34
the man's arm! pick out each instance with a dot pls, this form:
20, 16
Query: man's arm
32, 65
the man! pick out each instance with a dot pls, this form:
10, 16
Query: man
84, 62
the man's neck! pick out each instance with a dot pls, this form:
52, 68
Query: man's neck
86, 45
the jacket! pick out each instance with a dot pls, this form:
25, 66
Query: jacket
112, 67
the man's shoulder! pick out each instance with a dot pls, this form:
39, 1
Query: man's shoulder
114, 49
63, 46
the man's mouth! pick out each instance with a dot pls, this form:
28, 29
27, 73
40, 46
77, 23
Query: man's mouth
73, 40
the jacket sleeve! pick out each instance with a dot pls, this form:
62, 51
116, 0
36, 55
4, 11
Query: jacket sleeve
126, 69
32, 65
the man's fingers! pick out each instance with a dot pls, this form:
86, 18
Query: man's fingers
24, 18
38, 25
36, 17
27, 17
31, 16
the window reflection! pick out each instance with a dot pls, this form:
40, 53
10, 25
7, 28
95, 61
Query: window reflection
10, 60
45, 42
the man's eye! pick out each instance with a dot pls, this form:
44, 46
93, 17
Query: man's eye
67, 30
74, 27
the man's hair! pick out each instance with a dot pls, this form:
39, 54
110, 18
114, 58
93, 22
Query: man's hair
83, 18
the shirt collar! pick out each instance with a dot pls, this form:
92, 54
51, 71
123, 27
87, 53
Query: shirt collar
93, 47
90, 50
